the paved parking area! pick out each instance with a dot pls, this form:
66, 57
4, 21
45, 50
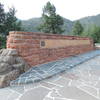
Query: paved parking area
79, 83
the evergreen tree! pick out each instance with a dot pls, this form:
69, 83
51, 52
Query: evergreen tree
78, 28
11, 22
51, 22
93, 31
95, 34
2, 18
8, 22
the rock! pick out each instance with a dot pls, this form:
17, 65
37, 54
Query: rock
4, 67
19, 60
8, 77
9, 59
1, 51
26, 67
1, 58
9, 52
11, 66
13, 52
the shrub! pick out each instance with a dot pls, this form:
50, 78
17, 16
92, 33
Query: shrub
2, 42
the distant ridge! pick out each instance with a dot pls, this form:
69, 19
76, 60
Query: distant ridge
32, 24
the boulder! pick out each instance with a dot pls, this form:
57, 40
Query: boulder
22, 64
9, 52
4, 67
11, 66
9, 59
6, 78
1, 51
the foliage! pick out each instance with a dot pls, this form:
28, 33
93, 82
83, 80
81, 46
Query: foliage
87, 23
8, 21
77, 28
88, 31
32, 25
2, 18
93, 31
90, 20
2, 42
11, 22
96, 34
52, 22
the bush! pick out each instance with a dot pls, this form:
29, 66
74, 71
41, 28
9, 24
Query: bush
2, 42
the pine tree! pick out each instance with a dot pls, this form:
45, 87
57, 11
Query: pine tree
51, 22
78, 28
11, 22
8, 22
2, 18
95, 34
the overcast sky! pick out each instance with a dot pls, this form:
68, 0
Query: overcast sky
70, 9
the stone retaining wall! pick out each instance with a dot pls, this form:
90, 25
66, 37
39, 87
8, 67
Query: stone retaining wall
38, 48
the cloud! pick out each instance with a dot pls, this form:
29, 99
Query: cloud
71, 9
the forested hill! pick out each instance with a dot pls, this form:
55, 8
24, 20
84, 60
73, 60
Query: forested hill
32, 24
91, 20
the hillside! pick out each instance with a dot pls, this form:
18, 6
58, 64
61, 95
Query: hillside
32, 24
91, 20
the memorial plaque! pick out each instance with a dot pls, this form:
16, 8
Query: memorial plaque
50, 43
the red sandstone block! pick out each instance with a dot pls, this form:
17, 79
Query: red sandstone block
21, 36
24, 45
11, 32
32, 57
7, 45
10, 40
14, 35
17, 36
16, 32
35, 36
18, 41
11, 45
42, 61
30, 50
43, 36
14, 45
33, 63
20, 32
35, 51
26, 37
33, 41
43, 56
25, 54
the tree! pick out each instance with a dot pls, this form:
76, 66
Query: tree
2, 18
95, 34
93, 31
51, 22
8, 22
78, 28
11, 22
88, 30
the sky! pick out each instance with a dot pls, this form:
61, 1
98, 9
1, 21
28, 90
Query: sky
70, 9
